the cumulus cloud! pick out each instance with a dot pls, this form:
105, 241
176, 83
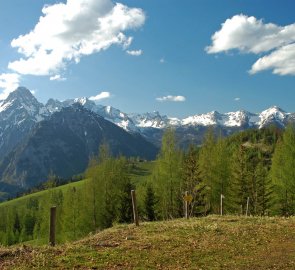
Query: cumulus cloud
281, 61
8, 83
100, 96
250, 35
57, 77
68, 31
135, 52
171, 98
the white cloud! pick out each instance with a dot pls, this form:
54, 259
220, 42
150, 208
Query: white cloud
171, 98
250, 35
162, 61
57, 77
68, 31
8, 83
135, 53
281, 61
100, 96
237, 99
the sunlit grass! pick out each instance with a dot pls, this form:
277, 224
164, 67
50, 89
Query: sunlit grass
212, 242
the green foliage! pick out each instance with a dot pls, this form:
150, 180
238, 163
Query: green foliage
149, 203
214, 163
167, 178
283, 172
250, 180
193, 183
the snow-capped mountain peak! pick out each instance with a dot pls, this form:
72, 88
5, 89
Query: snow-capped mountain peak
273, 114
150, 120
19, 113
22, 100
82, 100
206, 119
237, 119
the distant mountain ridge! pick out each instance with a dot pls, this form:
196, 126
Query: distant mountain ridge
134, 122
20, 112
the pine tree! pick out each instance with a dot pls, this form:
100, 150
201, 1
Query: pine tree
250, 180
220, 174
72, 210
125, 211
167, 178
264, 189
206, 164
149, 203
238, 186
214, 162
283, 172
193, 182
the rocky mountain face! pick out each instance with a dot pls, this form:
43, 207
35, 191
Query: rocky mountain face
63, 144
18, 115
109, 113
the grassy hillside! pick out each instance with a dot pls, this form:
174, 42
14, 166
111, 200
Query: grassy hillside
138, 173
26, 219
207, 243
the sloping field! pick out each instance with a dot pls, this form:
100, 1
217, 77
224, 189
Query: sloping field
205, 243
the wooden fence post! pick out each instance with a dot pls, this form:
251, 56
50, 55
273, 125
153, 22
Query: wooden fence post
135, 213
186, 203
52, 226
221, 204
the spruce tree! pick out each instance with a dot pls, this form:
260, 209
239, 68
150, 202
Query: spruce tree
72, 209
125, 211
238, 186
149, 203
193, 182
206, 164
283, 172
167, 178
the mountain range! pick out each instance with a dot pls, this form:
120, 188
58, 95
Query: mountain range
190, 129
60, 136
138, 122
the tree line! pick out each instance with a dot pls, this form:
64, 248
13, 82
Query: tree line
255, 166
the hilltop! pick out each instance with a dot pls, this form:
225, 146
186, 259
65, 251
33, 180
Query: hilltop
213, 242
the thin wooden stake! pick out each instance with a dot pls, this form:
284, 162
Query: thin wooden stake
135, 213
221, 204
247, 207
186, 203
52, 226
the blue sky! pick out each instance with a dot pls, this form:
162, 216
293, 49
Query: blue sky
148, 55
